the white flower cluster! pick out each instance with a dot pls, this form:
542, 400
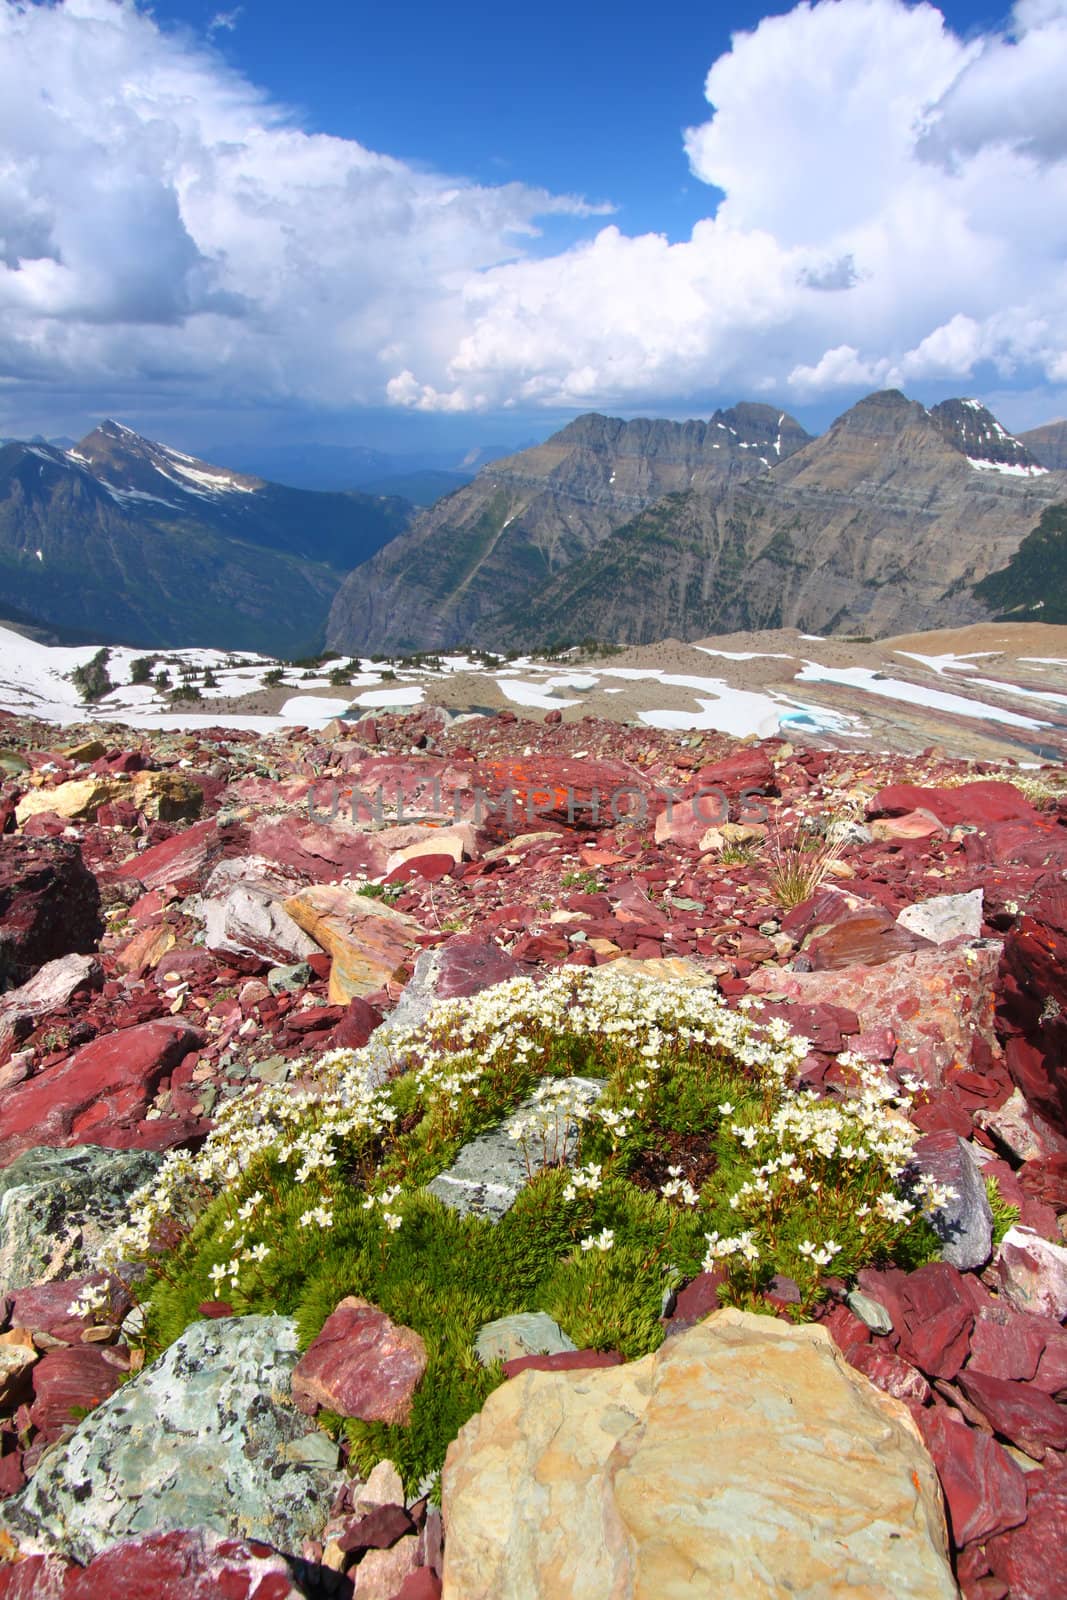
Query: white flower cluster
549, 1124
385, 1202
740, 1244
586, 1180
679, 1188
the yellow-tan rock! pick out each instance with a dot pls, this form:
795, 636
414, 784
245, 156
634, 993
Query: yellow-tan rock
742, 1460
162, 796
366, 940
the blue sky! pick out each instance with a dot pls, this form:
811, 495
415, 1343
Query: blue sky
465, 223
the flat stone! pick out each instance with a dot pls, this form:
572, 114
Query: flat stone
1018, 1411
947, 916
965, 1223
368, 942
247, 922
984, 1489
193, 1441
59, 1207
49, 990
1033, 1273
872, 1313
289, 979
692, 1472
186, 1565
487, 1175
527, 1333
86, 1098
362, 1364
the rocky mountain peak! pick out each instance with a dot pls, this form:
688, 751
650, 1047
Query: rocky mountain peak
970, 426
129, 464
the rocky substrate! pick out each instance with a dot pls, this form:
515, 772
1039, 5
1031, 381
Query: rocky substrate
181, 917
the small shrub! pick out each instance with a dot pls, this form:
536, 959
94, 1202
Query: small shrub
696, 1151
586, 882
91, 680
1005, 1215
141, 669
388, 892
272, 678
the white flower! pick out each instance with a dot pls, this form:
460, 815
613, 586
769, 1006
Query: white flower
600, 1241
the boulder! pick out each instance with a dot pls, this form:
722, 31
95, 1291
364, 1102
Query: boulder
205, 1437
48, 991
1033, 1273
368, 942
692, 1471
1029, 1559
945, 917
97, 1093
246, 922
181, 861
162, 796
324, 852
939, 1002
59, 1207
49, 906
362, 1365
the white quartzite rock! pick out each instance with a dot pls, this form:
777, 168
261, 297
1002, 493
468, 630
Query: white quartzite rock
744, 1458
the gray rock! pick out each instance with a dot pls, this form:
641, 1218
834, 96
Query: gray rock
872, 1313
289, 980
965, 1224
58, 1207
206, 1437
246, 922
487, 1175
528, 1333
947, 916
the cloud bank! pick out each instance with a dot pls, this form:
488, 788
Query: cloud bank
893, 211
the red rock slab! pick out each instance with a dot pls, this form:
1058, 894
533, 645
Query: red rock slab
987, 800
1051, 1374
985, 1492
377, 1530
49, 905
1018, 1411
938, 1002
563, 1361
1007, 1344
90, 1096
324, 851
36, 1578
911, 825
44, 1307
1030, 1559
195, 1565
749, 768
73, 1376
362, 1365
422, 1584
181, 859
890, 1372
938, 1318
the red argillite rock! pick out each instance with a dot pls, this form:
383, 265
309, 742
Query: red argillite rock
1030, 1559
49, 906
182, 860
985, 1492
1032, 1003
563, 1361
746, 769
1018, 1411
1008, 1344
94, 1096
938, 1002
890, 1372
36, 1578
323, 851
465, 965
1033, 1273
986, 800
362, 1365
194, 1565
71, 1380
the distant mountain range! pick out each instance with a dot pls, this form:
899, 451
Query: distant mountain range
125, 540
635, 531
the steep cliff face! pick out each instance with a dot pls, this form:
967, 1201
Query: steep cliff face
635, 531
529, 518
882, 524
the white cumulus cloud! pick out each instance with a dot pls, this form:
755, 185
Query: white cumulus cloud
893, 209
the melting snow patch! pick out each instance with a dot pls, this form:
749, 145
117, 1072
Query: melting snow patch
313, 710
1014, 469
411, 696
536, 695
914, 694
